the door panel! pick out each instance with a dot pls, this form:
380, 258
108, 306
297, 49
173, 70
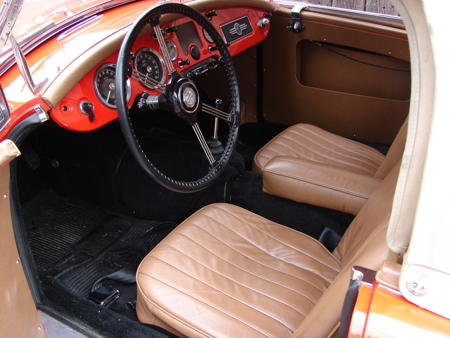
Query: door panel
347, 77
18, 314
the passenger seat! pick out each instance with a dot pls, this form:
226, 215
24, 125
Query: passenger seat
309, 165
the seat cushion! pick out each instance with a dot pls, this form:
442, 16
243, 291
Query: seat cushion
309, 142
228, 272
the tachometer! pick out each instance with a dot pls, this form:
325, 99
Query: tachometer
105, 85
149, 64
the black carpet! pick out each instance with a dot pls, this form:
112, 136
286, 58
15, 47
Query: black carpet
246, 192
74, 244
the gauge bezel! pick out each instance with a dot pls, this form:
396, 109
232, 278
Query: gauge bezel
205, 36
161, 60
97, 90
176, 49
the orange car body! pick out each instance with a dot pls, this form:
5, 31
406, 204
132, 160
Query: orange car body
382, 312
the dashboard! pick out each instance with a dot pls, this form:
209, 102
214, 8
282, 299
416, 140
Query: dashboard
91, 103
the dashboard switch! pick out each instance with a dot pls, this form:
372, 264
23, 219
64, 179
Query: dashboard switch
87, 108
195, 52
183, 63
263, 22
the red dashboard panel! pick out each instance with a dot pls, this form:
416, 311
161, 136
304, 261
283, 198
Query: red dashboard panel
68, 112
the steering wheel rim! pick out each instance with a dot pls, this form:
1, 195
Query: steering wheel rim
152, 17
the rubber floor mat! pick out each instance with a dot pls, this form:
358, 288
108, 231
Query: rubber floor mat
55, 225
74, 244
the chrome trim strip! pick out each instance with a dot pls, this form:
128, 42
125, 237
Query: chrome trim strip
377, 18
41, 113
9, 14
23, 66
78, 25
7, 115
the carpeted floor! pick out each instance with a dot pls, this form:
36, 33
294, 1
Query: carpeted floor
74, 244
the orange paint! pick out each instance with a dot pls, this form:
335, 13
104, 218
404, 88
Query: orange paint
380, 312
54, 56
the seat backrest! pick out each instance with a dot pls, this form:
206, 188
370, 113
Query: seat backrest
364, 243
395, 152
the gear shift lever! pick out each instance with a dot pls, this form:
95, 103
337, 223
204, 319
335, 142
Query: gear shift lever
214, 143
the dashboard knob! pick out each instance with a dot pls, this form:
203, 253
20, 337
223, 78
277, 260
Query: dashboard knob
195, 52
263, 22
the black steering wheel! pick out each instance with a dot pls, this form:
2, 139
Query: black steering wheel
179, 96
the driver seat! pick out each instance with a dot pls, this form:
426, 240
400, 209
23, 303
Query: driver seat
225, 271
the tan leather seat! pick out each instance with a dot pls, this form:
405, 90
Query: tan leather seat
308, 142
228, 272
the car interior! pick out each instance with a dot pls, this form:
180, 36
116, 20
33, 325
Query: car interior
262, 238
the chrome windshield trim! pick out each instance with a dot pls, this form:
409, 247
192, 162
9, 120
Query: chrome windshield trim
377, 18
9, 12
47, 32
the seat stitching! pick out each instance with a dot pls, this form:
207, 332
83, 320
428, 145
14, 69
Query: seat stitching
322, 157
222, 292
331, 158
340, 148
295, 232
277, 240
251, 273
200, 301
237, 282
166, 312
366, 149
268, 266
345, 147
290, 246
310, 181
267, 253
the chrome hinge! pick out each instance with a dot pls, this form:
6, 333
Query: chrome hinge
296, 22
41, 113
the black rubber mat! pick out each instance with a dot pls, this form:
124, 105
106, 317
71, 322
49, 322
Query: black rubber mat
55, 226
74, 244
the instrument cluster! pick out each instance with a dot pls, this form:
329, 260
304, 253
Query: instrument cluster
191, 51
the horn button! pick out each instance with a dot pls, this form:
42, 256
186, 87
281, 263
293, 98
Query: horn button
189, 97
185, 99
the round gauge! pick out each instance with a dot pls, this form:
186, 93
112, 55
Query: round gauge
149, 64
207, 36
172, 49
105, 85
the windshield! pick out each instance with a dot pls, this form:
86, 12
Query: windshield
38, 14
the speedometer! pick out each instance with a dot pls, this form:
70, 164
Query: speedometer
148, 64
105, 85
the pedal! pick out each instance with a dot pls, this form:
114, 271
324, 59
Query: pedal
104, 295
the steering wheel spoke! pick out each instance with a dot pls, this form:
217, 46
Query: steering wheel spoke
179, 97
206, 108
203, 143
148, 80
162, 45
